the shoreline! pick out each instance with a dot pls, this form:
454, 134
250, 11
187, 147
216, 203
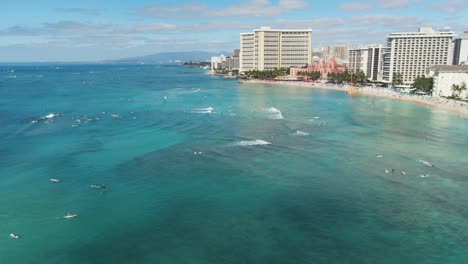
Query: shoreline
436, 102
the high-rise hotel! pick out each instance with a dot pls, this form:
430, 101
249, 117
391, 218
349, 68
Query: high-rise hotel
269, 49
460, 53
410, 53
367, 59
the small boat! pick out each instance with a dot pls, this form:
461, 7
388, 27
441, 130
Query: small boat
54, 180
12, 235
403, 173
379, 156
70, 216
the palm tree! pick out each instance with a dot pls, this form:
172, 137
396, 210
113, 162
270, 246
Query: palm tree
457, 89
397, 79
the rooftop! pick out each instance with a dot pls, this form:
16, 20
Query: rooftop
423, 32
448, 68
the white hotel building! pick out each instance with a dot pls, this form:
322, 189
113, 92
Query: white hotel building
367, 59
460, 54
410, 53
269, 49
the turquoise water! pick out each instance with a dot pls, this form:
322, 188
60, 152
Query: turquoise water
320, 195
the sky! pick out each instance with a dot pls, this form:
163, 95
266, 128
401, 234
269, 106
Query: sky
90, 30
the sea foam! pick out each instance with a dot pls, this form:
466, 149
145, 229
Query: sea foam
273, 113
49, 116
251, 143
300, 133
426, 163
207, 110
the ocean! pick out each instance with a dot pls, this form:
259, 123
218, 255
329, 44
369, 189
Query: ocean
203, 169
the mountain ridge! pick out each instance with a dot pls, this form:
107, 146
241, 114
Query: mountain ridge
164, 57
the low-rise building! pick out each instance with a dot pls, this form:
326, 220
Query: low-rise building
445, 76
324, 67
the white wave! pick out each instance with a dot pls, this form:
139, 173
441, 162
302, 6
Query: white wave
273, 113
207, 110
251, 142
426, 163
50, 116
300, 133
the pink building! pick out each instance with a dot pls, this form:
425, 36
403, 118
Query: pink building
324, 67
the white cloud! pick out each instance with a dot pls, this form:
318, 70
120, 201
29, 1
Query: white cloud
74, 28
83, 11
355, 6
451, 6
253, 8
394, 4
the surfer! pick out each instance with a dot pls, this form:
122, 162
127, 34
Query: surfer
393, 171
13, 235
103, 188
69, 215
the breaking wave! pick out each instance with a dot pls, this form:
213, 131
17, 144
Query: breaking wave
251, 143
207, 110
273, 113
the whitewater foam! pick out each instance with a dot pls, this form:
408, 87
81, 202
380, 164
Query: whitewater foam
207, 110
273, 113
300, 133
426, 163
251, 143
49, 116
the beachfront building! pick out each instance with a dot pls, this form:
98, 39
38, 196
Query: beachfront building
410, 53
357, 59
232, 63
374, 63
225, 62
217, 62
460, 52
325, 68
269, 49
447, 75
367, 59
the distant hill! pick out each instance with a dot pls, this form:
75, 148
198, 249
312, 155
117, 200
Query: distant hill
165, 57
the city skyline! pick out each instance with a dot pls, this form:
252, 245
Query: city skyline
86, 31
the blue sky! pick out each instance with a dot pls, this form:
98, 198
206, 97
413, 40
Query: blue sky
90, 30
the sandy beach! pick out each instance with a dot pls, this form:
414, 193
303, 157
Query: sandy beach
441, 103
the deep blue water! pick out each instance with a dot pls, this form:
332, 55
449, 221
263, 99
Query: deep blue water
187, 184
